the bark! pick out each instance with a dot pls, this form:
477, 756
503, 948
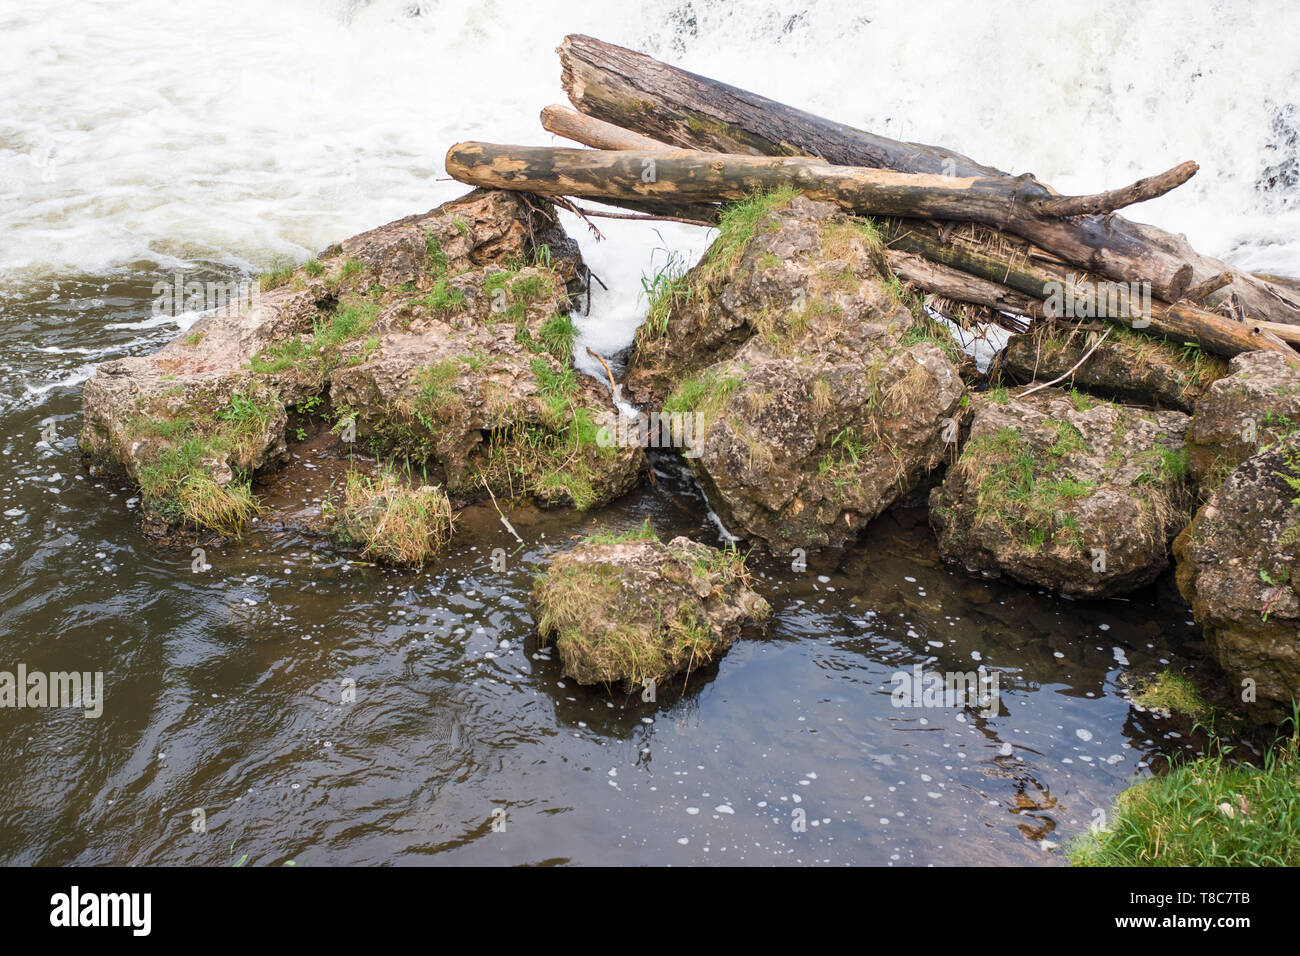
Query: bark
952, 283
1018, 266
684, 109
1017, 205
593, 132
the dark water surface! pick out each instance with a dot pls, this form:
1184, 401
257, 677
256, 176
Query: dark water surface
225, 689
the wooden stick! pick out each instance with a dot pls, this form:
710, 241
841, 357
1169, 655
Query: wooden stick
1070, 371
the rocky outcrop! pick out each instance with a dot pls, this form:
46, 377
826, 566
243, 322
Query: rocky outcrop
1238, 566
443, 338
1127, 366
629, 610
816, 398
1059, 490
1255, 404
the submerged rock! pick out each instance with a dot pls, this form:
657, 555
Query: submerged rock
1238, 566
442, 338
1256, 403
1063, 491
816, 397
628, 609
1127, 366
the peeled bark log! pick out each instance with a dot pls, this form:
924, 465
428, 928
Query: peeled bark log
640, 93
593, 132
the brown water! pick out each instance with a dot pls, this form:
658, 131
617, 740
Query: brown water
225, 688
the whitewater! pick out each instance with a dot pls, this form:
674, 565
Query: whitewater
149, 136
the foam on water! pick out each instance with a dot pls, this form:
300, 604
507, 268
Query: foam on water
154, 135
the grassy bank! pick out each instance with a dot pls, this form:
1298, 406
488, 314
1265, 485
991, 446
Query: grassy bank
1205, 812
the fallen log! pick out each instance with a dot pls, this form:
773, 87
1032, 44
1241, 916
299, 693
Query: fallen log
637, 92
952, 283
1017, 205
1018, 266
573, 125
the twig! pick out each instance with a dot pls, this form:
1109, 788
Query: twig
613, 390
500, 513
635, 217
568, 204
1070, 371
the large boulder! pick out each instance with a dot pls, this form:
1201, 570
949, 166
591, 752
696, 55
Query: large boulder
1239, 567
1063, 491
1257, 402
628, 609
443, 337
1127, 366
816, 397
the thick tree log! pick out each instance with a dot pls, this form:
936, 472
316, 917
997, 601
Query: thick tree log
640, 93
1017, 205
1018, 266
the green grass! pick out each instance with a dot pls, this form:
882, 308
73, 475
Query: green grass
317, 354
557, 335
1174, 693
176, 484
274, 278
1027, 498
667, 285
643, 532
738, 223
1205, 812
1162, 465
435, 258
352, 268
704, 393
395, 521
443, 300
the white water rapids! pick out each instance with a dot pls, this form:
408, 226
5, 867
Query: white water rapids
151, 134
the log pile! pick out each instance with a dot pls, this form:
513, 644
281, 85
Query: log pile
670, 144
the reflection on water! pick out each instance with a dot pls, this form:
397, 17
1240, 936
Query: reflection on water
320, 709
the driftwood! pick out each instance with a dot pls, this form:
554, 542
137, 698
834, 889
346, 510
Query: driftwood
952, 283
1020, 267
1013, 204
593, 132
636, 92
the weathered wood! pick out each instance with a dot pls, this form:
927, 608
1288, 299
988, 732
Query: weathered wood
1016, 205
1019, 266
952, 283
639, 93
593, 132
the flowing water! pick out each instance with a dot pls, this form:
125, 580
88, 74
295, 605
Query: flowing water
301, 705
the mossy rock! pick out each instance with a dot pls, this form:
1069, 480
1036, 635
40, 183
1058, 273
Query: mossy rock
1065, 491
628, 610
